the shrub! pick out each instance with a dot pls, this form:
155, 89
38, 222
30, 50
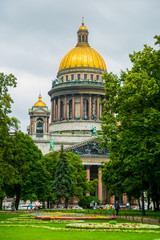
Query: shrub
86, 200
112, 222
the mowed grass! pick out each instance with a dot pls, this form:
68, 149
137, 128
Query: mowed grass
24, 232
15, 233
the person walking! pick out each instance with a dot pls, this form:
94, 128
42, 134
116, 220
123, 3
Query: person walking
117, 207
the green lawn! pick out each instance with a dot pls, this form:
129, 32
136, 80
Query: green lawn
24, 227
15, 233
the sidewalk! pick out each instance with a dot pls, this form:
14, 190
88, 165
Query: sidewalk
141, 219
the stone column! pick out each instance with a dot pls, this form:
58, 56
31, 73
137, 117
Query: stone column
54, 109
89, 107
88, 169
59, 108
65, 107
45, 128
100, 193
81, 107
47, 124
98, 106
33, 124
73, 107
30, 125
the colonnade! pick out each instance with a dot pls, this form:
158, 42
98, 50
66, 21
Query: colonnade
56, 108
100, 187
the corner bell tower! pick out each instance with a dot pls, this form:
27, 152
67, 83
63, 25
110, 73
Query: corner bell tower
39, 120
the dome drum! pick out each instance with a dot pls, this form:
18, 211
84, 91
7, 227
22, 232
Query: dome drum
81, 70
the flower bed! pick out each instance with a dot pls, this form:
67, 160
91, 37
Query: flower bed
138, 226
69, 216
74, 218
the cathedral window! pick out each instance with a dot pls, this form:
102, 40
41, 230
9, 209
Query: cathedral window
72, 76
85, 76
39, 127
79, 76
79, 38
66, 78
70, 109
97, 77
82, 38
85, 109
92, 77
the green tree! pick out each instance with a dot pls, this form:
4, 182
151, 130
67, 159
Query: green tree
62, 185
6, 123
78, 174
133, 132
85, 201
30, 175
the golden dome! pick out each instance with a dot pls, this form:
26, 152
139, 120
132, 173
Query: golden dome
82, 55
40, 103
82, 27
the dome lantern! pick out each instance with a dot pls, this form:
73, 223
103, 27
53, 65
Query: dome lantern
40, 103
82, 35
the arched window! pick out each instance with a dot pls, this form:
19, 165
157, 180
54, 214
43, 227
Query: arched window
85, 109
70, 109
39, 127
79, 38
62, 110
95, 110
82, 38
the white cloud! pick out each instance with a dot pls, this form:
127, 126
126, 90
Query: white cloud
36, 34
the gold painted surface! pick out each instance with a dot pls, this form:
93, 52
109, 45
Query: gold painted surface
39, 103
82, 56
82, 27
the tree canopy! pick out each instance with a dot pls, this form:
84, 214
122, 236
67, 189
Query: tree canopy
133, 131
6, 81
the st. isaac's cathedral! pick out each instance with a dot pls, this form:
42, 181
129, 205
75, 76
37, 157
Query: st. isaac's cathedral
76, 112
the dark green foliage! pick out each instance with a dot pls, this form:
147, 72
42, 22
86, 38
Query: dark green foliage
62, 185
6, 123
86, 201
133, 134
30, 178
80, 184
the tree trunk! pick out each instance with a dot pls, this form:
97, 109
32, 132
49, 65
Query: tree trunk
157, 204
143, 210
43, 205
1, 201
66, 203
18, 194
139, 204
47, 204
148, 199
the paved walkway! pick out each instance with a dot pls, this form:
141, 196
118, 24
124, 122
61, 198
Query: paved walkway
141, 219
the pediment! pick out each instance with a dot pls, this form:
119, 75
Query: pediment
90, 148
40, 110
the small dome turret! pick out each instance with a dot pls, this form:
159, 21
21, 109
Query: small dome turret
39, 103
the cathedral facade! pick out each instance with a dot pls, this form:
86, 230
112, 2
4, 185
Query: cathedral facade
75, 115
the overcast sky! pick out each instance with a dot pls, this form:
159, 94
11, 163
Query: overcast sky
36, 34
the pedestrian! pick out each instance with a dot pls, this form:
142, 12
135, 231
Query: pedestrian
127, 205
109, 210
117, 207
